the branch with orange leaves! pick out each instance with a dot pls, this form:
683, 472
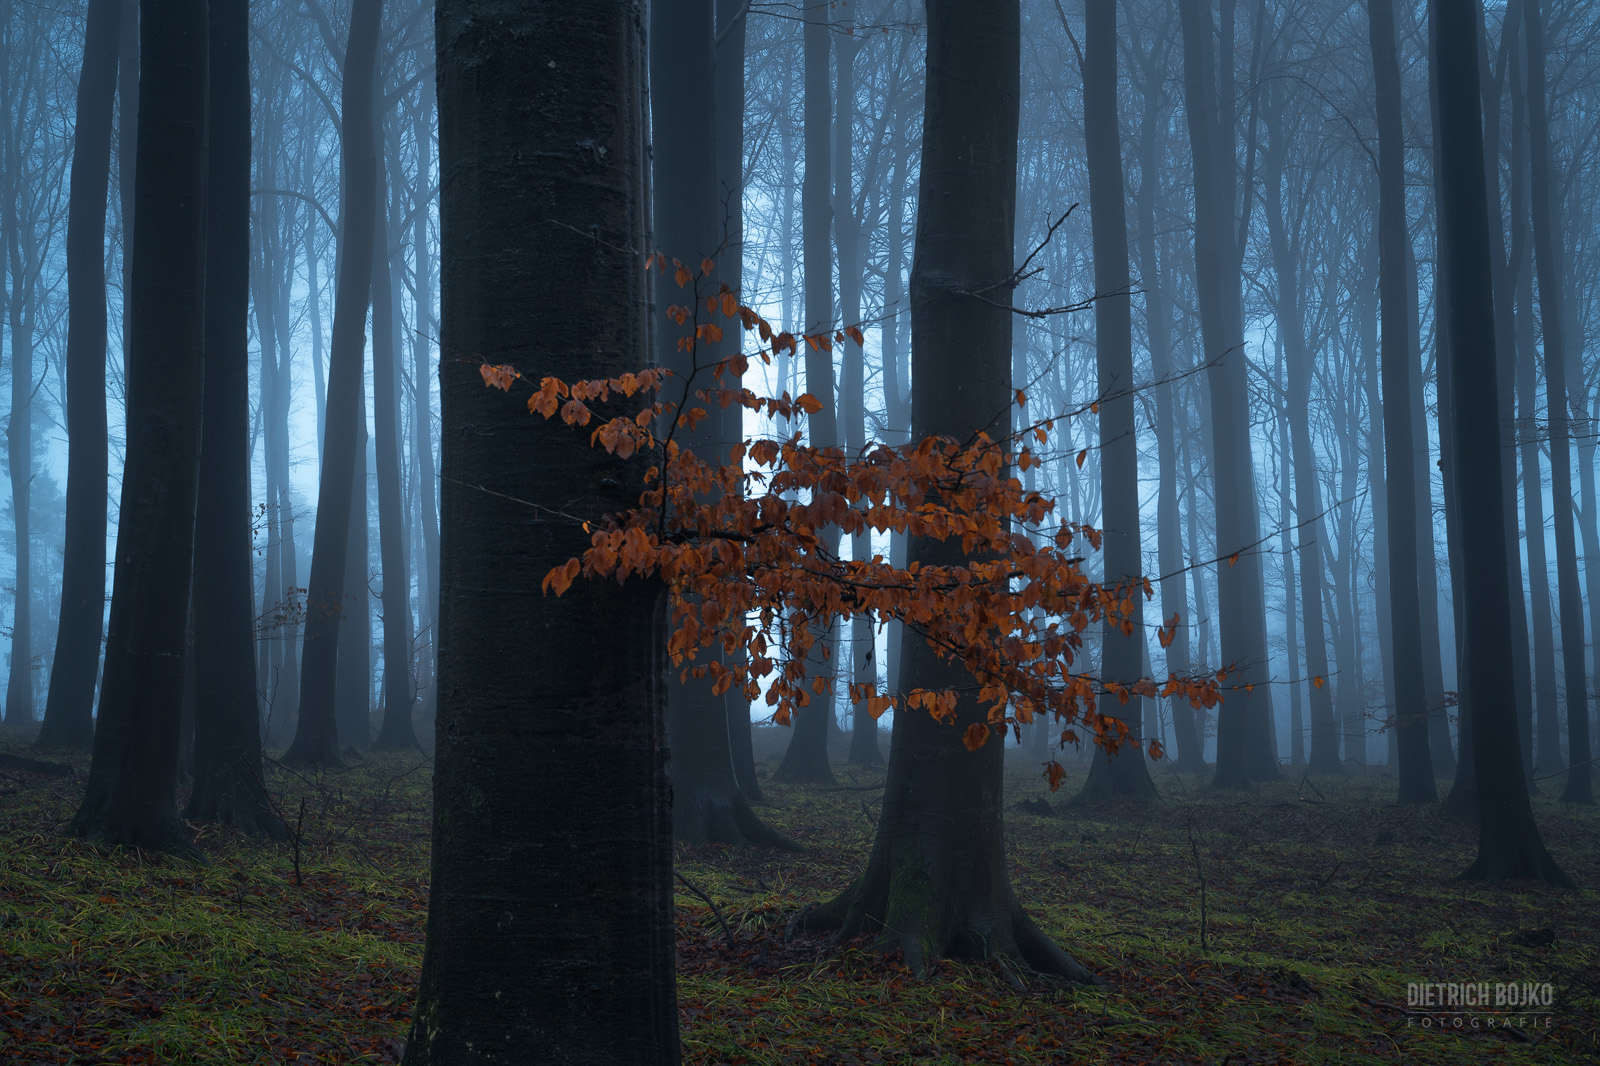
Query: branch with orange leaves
740, 543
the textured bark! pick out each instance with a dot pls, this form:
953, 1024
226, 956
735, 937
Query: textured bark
1126, 773
806, 758
316, 739
228, 785
130, 797
1509, 844
550, 929
936, 882
68, 721
1410, 710
1569, 592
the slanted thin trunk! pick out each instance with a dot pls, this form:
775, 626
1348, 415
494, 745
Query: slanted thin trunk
316, 739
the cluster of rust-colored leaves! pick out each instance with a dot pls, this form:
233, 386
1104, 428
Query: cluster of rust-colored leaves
745, 544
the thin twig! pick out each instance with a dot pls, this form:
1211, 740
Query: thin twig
715, 910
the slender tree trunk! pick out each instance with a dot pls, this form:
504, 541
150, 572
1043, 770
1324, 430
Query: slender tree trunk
69, 703
130, 797
422, 374
19, 448
729, 58
1410, 710
806, 759
352, 694
399, 690
316, 740
1122, 636
1239, 585
1299, 366
1569, 592
550, 936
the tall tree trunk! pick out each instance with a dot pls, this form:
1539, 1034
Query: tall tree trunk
707, 803
228, 785
68, 721
1299, 359
130, 797
936, 883
399, 691
316, 740
584, 890
806, 758
1158, 329
729, 57
1509, 845
422, 374
1125, 773
1569, 592
1239, 584
1410, 710
19, 448
352, 689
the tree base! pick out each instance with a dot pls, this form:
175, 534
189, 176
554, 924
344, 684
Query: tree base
1123, 776
1514, 856
724, 818
890, 912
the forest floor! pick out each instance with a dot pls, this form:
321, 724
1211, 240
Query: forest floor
1322, 901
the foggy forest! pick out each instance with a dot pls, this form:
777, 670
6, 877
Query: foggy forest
769, 532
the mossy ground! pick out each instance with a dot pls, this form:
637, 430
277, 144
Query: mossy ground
1323, 900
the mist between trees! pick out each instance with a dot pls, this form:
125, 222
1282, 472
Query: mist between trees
1299, 294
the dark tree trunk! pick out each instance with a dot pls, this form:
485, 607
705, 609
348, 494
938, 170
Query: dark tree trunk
19, 449
729, 61
1158, 328
937, 882
399, 690
1124, 774
1299, 362
707, 804
352, 691
549, 935
228, 784
68, 720
1239, 588
131, 795
422, 409
806, 758
1569, 592
316, 740
1509, 845
857, 665
1410, 710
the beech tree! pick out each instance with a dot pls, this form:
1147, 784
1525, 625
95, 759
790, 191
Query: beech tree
129, 797
550, 928
68, 721
1509, 844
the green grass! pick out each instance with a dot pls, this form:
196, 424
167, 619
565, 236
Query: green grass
1313, 931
